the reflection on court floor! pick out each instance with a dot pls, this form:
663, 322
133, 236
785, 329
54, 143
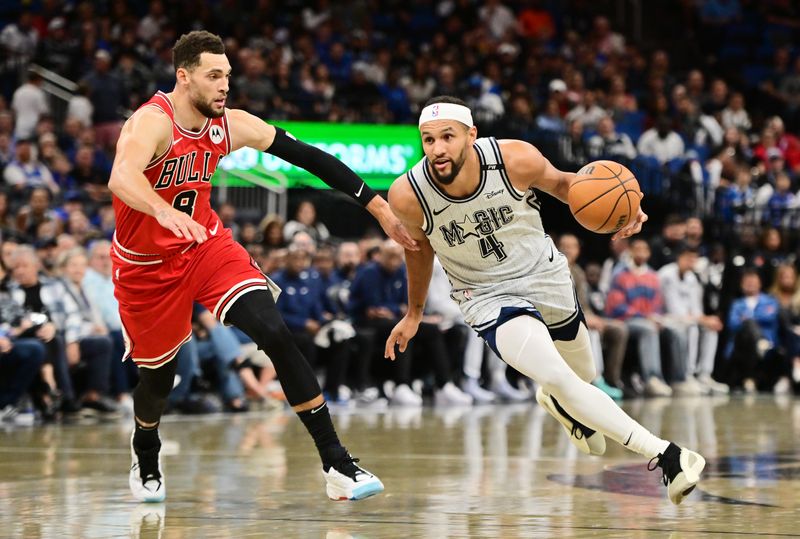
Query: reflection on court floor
495, 471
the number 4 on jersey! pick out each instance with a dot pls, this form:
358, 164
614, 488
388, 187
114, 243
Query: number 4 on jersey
489, 245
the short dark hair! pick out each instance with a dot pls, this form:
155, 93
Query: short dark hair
187, 50
445, 99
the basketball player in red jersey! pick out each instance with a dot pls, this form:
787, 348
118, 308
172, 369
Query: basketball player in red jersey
171, 250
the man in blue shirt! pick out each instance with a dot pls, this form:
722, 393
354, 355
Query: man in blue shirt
378, 300
757, 357
300, 304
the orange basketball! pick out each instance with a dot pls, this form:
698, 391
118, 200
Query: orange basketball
604, 197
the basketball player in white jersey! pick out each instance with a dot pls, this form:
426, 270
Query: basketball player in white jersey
472, 202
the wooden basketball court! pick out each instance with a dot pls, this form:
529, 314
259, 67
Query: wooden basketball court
505, 471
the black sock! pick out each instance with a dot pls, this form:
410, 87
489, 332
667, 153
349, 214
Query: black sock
320, 427
145, 437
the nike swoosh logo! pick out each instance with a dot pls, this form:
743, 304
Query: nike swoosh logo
213, 231
315, 410
551, 254
629, 439
440, 211
358, 193
174, 142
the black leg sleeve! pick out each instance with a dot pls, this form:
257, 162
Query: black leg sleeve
255, 314
150, 394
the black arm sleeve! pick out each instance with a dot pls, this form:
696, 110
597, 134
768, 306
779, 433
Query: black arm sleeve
322, 165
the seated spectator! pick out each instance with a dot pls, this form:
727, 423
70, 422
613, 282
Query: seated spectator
661, 142
466, 349
589, 113
735, 115
781, 204
608, 144
89, 177
94, 338
378, 299
786, 289
696, 332
550, 118
788, 143
36, 212
218, 347
21, 359
305, 220
98, 286
573, 147
757, 359
272, 232
61, 328
665, 246
636, 298
25, 171
609, 337
301, 307
735, 202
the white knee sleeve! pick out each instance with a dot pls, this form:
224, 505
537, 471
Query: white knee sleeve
578, 354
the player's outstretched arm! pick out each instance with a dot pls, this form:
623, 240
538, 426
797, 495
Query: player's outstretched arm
248, 130
419, 265
527, 167
147, 134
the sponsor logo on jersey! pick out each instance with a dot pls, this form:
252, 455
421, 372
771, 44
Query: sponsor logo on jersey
216, 133
494, 194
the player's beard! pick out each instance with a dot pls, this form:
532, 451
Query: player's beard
455, 168
206, 108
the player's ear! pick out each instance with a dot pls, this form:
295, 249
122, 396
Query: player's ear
472, 133
182, 75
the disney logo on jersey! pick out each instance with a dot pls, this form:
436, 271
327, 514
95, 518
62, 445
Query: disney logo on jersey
185, 169
494, 193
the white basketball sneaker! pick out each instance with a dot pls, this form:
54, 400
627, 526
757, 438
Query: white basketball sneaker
585, 439
681, 470
348, 481
146, 478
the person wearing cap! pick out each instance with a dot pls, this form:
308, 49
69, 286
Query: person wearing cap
58, 50
472, 202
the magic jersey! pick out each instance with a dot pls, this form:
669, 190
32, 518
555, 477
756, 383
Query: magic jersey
492, 244
181, 175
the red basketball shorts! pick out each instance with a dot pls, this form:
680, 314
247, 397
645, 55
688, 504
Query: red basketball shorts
156, 295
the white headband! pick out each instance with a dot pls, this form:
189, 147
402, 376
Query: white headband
446, 111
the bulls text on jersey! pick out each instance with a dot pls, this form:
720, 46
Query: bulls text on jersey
181, 169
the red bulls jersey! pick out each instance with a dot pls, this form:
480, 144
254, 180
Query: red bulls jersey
181, 176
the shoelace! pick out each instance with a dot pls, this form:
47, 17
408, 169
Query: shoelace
664, 471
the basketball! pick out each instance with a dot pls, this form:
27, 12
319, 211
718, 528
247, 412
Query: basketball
604, 197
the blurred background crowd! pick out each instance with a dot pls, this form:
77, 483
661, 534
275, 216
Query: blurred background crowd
710, 301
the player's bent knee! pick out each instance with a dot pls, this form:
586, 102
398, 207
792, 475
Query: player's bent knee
578, 354
525, 344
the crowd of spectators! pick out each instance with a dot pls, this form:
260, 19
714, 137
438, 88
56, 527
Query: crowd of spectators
706, 124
